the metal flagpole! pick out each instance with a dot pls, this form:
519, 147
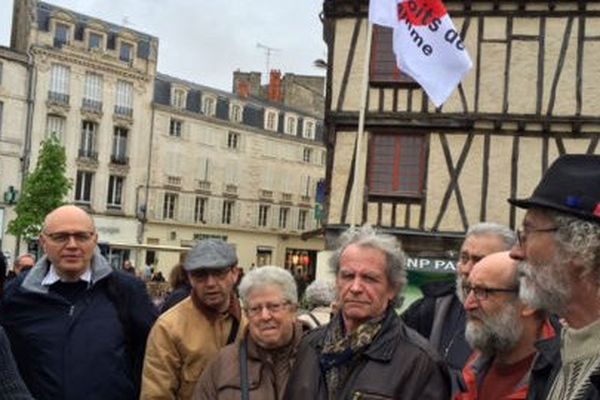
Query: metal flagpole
361, 126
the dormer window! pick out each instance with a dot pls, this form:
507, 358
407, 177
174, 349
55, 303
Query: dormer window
235, 112
126, 52
178, 98
62, 34
95, 41
209, 106
290, 125
271, 120
309, 129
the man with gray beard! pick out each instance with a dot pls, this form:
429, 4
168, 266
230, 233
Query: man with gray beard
501, 329
559, 250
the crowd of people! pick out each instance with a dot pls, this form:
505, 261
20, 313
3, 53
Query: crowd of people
520, 321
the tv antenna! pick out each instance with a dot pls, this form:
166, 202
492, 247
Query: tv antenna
268, 52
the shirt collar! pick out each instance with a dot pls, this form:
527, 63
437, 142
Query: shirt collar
53, 277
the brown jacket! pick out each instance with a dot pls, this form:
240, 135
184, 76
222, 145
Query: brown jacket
181, 344
221, 379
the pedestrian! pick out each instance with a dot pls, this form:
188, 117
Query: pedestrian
439, 315
23, 263
259, 366
77, 328
559, 263
180, 285
188, 336
501, 330
366, 351
129, 267
318, 298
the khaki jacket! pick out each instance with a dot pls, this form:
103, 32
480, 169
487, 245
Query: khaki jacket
221, 379
181, 344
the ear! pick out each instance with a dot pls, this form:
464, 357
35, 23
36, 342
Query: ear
527, 312
236, 273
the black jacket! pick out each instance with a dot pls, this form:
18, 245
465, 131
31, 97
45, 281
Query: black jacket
399, 364
90, 348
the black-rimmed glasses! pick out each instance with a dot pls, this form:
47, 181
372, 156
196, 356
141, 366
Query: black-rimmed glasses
65, 237
482, 293
522, 234
272, 308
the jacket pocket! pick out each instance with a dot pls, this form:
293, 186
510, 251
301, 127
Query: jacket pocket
369, 396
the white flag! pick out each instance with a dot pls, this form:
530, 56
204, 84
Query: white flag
426, 44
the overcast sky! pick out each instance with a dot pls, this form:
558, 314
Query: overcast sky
204, 41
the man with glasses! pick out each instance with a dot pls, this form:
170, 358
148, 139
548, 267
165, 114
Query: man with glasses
23, 263
501, 330
78, 329
188, 336
559, 265
439, 315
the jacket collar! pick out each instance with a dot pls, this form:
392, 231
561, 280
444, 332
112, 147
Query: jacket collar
384, 343
33, 281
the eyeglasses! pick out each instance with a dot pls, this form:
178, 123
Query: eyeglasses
464, 258
522, 234
482, 293
202, 274
272, 308
65, 237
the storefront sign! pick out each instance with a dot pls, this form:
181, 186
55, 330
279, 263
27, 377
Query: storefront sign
430, 265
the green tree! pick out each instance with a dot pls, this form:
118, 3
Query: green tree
43, 190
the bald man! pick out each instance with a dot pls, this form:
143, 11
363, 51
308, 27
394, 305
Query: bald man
501, 329
77, 328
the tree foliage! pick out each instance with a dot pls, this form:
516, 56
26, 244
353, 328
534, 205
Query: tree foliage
43, 190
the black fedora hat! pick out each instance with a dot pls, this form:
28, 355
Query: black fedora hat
571, 185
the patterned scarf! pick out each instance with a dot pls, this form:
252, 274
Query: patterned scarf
341, 350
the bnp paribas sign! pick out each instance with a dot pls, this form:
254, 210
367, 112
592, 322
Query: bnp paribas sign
439, 265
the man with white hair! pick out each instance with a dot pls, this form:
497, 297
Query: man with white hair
501, 329
559, 254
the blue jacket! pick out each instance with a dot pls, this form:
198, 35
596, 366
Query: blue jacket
92, 348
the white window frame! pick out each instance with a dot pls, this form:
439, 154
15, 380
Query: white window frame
84, 182
263, 215
309, 129
102, 36
60, 77
56, 124
200, 209
233, 140
175, 127
284, 214
307, 154
89, 132
271, 120
291, 124
131, 55
69, 31
119, 145
236, 112
116, 183
302, 219
170, 201
227, 216
93, 87
209, 105
179, 97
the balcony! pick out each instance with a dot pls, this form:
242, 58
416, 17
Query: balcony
58, 98
174, 180
91, 106
204, 186
286, 197
119, 159
305, 199
266, 194
59, 43
88, 154
124, 112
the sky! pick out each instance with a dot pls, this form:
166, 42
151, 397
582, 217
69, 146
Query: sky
204, 41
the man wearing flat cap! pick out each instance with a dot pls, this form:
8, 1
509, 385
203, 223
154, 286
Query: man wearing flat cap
189, 335
559, 264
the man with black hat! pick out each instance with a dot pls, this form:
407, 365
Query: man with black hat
189, 335
559, 254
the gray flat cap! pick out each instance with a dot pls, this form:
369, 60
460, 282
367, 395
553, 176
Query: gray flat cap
211, 254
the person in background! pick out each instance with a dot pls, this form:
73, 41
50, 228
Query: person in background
501, 329
318, 298
128, 267
12, 386
23, 263
188, 336
366, 351
180, 285
268, 348
77, 327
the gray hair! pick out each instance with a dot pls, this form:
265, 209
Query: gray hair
507, 235
319, 294
367, 236
22, 256
577, 238
267, 276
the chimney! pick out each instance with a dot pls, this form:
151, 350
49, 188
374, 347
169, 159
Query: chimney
275, 86
243, 89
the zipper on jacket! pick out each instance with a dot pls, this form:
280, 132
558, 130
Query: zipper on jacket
71, 310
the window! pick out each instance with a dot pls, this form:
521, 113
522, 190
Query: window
383, 60
263, 215
119, 146
115, 192
200, 209
59, 84
209, 106
396, 165
309, 129
227, 215
169, 205
271, 121
290, 125
83, 187
204, 169
87, 147
175, 127
235, 113
179, 98
283, 217
126, 52
233, 140
95, 41
124, 101
305, 185
55, 124
302, 215
92, 98
61, 35
307, 154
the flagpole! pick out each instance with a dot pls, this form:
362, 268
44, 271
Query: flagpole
361, 125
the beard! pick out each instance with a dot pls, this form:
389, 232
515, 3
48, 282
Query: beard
494, 334
544, 286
